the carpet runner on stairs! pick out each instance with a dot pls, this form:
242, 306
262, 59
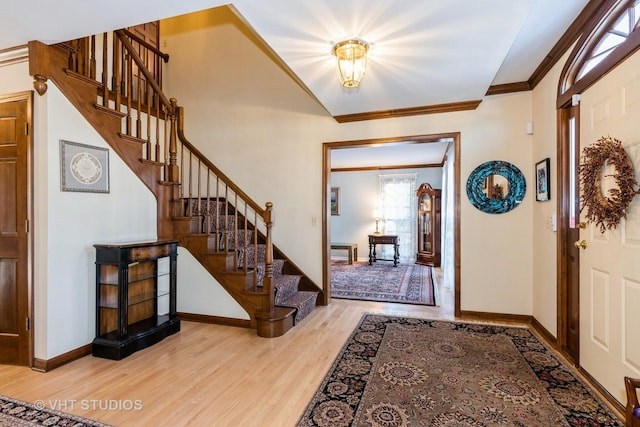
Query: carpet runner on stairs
287, 293
222, 221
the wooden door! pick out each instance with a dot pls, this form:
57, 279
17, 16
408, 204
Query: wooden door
609, 265
150, 33
569, 223
15, 153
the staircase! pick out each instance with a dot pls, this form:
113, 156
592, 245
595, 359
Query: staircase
210, 216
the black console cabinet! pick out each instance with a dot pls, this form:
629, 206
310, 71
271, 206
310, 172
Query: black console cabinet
135, 296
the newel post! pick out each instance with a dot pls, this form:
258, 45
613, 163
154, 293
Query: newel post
267, 282
172, 166
39, 65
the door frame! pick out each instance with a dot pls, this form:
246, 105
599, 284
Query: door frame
566, 235
326, 190
27, 97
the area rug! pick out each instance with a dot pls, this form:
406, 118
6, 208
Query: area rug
18, 413
406, 283
396, 371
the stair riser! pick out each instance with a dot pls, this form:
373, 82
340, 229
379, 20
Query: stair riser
219, 262
202, 244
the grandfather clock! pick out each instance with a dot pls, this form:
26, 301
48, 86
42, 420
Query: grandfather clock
428, 225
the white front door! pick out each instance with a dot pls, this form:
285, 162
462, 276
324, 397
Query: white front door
610, 264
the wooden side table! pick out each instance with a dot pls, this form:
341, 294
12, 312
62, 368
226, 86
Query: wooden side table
352, 249
383, 239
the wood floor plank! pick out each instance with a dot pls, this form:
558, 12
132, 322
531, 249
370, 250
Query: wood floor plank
208, 374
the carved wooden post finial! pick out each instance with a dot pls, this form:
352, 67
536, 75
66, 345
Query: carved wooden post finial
40, 84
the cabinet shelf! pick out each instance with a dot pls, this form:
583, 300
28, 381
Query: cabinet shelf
141, 298
138, 327
135, 296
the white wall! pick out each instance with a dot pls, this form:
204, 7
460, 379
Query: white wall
266, 133
67, 224
359, 192
75, 222
199, 293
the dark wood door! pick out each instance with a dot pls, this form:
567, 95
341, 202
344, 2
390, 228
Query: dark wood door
14, 240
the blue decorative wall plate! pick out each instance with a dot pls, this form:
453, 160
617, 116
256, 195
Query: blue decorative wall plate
477, 188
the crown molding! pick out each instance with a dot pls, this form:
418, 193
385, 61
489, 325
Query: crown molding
14, 55
413, 111
575, 30
508, 88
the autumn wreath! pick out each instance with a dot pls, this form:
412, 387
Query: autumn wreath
606, 211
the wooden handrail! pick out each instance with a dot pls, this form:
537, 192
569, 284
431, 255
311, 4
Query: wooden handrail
234, 223
255, 206
143, 68
146, 44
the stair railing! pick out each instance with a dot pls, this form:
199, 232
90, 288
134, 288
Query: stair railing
119, 62
225, 211
128, 71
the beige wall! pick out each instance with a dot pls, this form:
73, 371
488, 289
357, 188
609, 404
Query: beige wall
544, 238
266, 133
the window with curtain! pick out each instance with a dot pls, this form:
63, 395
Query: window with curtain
398, 207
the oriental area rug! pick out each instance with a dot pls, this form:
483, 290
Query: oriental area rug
396, 371
406, 283
18, 413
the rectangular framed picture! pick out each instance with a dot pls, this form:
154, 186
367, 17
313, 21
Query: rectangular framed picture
335, 200
543, 181
83, 168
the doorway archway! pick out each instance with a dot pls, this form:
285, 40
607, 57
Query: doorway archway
454, 156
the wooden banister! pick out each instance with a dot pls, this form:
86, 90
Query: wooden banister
147, 45
234, 229
255, 206
232, 222
143, 68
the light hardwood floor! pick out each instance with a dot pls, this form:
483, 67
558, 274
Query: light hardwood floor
209, 375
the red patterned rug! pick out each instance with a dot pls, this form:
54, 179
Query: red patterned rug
406, 283
396, 371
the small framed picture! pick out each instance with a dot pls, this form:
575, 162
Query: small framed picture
83, 168
335, 200
543, 181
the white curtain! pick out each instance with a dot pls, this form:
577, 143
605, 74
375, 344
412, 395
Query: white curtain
398, 207
447, 242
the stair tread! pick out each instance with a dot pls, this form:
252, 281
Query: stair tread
286, 286
303, 301
299, 296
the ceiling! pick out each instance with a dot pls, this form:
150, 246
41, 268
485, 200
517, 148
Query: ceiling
423, 52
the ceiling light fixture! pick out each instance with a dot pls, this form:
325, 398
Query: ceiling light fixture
351, 56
